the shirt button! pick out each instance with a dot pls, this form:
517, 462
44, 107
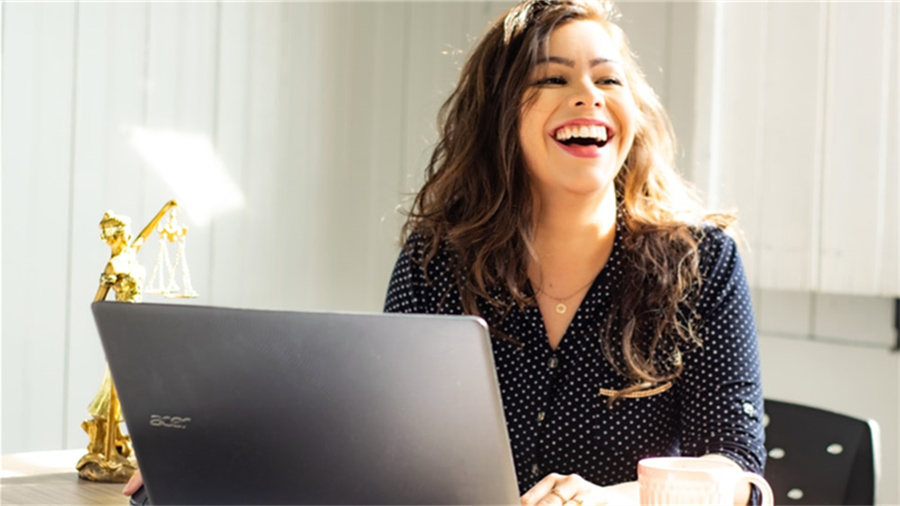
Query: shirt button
535, 470
749, 409
541, 416
553, 362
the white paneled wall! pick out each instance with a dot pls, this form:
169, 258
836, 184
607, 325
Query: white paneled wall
36, 220
803, 140
787, 230
321, 113
855, 197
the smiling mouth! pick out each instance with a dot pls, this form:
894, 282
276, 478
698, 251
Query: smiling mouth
582, 135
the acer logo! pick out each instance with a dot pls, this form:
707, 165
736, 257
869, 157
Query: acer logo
169, 422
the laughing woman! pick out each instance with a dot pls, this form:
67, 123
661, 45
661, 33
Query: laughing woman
621, 320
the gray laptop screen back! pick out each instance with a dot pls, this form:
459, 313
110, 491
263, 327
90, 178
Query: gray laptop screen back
229, 406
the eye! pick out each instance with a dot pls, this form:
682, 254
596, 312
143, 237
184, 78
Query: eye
609, 81
551, 81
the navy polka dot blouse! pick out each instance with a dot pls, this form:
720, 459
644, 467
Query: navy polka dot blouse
556, 401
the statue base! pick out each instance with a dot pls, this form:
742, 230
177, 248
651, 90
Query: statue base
96, 467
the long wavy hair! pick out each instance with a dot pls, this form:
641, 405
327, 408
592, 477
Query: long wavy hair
477, 198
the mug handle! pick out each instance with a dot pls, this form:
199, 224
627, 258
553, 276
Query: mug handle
768, 498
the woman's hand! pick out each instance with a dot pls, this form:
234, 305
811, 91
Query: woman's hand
133, 484
573, 490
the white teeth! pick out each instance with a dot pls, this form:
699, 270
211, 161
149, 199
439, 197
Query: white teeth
583, 131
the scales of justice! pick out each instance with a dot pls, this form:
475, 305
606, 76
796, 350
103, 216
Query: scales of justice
110, 457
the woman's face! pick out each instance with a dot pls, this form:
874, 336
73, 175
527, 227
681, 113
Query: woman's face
577, 130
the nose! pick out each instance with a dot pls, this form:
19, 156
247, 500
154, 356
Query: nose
587, 94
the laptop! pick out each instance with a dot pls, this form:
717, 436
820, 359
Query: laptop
239, 406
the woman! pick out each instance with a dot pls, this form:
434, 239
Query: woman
620, 313
621, 318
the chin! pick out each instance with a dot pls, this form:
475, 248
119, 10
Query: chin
595, 187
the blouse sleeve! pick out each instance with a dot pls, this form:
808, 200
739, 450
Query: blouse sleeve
722, 400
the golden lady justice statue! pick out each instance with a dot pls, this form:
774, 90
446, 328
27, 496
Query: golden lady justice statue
110, 457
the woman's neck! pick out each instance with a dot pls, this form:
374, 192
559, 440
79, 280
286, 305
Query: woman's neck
573, 240
571, 226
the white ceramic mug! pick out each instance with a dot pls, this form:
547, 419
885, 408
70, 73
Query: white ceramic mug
695, 481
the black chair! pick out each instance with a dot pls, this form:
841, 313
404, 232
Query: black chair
820, 457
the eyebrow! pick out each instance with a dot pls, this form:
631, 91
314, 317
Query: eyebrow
571, 63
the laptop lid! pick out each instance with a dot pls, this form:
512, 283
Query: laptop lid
237, 406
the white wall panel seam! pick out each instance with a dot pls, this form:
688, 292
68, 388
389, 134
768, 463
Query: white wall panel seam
245, 222
819, 155
759, 173
214, 138
703, 106
145, 90
403, 170
827, 79
881, 175
286, 257
715, 157
827, 33
240, 173
67, 339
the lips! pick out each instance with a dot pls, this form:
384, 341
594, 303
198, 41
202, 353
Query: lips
583, 137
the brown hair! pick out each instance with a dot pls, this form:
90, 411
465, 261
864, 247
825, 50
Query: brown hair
477, 199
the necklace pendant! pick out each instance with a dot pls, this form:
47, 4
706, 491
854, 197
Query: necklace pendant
561, 308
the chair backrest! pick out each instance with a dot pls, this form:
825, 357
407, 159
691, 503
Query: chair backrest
820, 457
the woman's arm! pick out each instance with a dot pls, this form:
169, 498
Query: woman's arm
721, 388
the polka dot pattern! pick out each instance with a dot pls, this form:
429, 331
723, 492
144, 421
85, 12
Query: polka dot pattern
557, 419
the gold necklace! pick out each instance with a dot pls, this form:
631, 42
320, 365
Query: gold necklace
561, 306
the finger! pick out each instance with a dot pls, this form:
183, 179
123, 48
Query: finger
134, 483
560, 494
587, 499
576, 491
551, 498
556, 496
567, 487
541, 490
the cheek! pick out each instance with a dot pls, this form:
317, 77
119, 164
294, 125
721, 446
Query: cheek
531, 130
630, 121
531, 119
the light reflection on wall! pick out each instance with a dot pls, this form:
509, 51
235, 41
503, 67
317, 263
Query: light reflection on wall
190, 166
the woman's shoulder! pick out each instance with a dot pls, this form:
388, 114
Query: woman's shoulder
420, 246
713, 243
709, 239
427, 254
721, 269
716, 244
422, 278
414, 245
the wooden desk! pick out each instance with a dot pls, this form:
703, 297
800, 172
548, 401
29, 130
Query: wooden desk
50, 478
